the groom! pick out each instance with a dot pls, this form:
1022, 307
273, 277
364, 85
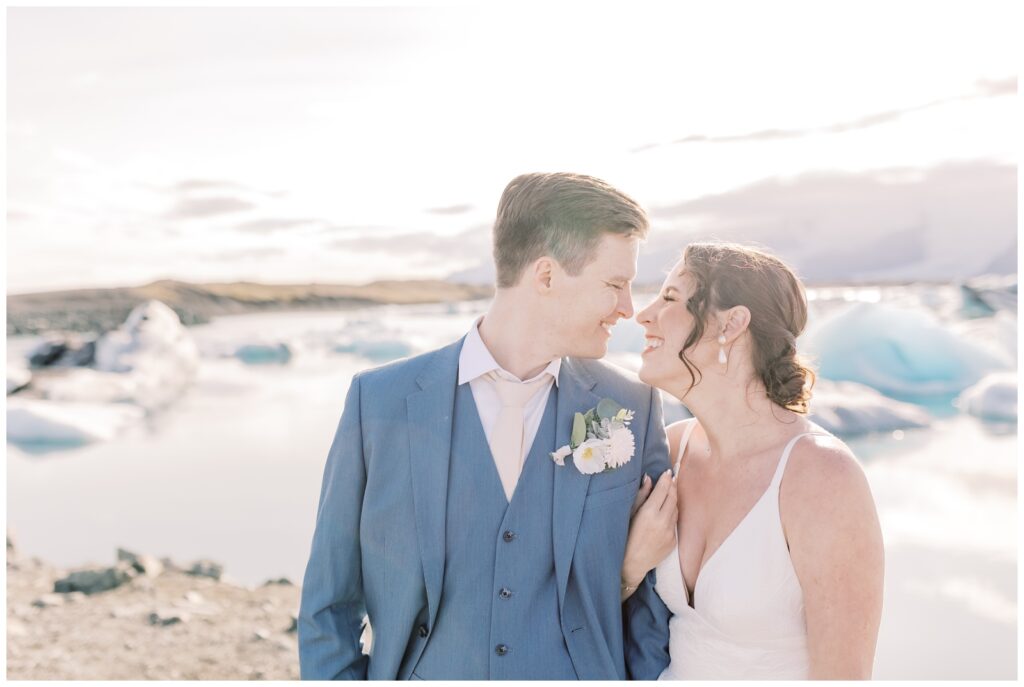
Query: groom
443, 516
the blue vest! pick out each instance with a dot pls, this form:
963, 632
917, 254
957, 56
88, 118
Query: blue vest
498, 614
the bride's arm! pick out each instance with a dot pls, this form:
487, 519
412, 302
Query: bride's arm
652, 531
835, 542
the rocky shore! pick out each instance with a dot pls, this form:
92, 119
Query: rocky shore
98, 310
149, 619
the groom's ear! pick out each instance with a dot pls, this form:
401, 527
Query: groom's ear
541, 273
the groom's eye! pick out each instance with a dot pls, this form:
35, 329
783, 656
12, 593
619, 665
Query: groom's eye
614, 286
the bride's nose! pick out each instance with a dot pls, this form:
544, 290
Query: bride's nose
644, 316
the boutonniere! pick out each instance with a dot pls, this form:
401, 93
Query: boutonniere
601, 439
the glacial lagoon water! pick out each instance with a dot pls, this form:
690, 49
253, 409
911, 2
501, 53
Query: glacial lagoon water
232, 472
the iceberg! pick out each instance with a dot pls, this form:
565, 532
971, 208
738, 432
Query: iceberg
84, 385
989, 294
848, 409
993, 398
378, 351
155, 349
260, 353
898, 351
50, 422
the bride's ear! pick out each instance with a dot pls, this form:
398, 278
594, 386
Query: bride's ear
737, 320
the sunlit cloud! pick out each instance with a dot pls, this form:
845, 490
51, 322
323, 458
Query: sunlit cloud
204, 185
208, 207
472, 243
451, 209
271, 225
977, 595
983, 89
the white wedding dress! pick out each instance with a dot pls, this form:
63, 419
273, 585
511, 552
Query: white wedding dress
747, 622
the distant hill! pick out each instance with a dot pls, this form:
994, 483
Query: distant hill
97, 310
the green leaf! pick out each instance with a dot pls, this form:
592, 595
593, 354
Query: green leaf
607, 408
579, 431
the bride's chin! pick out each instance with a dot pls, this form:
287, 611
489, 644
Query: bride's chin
643, 374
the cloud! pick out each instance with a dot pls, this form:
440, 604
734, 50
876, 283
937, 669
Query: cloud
244, 253
270, 225
997, 87
949, 221
355, 228
203, 185
451, 209
208, 207
983, 89
474, 242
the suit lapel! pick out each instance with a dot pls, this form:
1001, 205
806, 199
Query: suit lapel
430, 413
574, 395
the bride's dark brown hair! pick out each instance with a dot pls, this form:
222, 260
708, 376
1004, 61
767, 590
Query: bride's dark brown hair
726, 275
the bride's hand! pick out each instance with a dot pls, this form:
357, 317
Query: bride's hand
652, 528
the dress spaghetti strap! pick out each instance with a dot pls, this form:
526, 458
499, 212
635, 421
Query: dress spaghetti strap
682, 445
777, 477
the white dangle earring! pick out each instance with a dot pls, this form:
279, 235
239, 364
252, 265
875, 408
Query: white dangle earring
721, 349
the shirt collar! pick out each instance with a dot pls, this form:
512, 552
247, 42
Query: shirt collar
476, 360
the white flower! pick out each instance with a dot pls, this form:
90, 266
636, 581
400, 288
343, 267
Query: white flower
589, 457
620, 447
560, 455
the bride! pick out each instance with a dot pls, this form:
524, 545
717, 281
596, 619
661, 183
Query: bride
773, 567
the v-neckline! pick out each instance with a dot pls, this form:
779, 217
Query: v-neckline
690, 601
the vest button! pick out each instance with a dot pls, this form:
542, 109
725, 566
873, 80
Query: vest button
422, 631
501, 649
509, 535
505, 593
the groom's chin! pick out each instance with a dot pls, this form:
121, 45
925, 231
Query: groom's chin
598, 349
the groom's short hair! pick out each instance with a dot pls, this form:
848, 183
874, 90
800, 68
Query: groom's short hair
562, 215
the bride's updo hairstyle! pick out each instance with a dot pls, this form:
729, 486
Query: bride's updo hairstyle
727, 275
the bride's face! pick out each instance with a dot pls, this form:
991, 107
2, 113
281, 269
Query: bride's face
667, 323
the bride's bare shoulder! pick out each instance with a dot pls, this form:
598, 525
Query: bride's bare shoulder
824, 482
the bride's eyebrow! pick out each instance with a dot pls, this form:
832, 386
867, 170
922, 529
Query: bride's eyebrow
671, 288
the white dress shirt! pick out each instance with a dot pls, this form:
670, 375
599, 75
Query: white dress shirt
475, 361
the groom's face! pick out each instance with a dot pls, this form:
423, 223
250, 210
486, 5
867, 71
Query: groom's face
588, 305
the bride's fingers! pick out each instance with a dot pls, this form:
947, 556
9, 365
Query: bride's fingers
645, 490
662, 489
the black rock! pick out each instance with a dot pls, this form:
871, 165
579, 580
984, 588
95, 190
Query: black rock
281, 580
206, 568
47, 353
95, 581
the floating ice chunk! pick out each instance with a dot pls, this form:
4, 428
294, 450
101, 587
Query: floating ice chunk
156, 349
993, 398
17, 378
378, 351
256, 353
897, 351
848, 409
988, 294
82, 384
32, 421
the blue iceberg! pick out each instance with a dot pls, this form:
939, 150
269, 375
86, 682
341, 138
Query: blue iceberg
379, 351
262, 354
898, 351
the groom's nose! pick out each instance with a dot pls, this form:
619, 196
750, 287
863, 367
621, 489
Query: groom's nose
625, 305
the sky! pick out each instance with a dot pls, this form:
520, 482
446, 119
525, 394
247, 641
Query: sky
353, 144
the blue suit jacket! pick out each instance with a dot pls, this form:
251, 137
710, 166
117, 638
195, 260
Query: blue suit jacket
379, 543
